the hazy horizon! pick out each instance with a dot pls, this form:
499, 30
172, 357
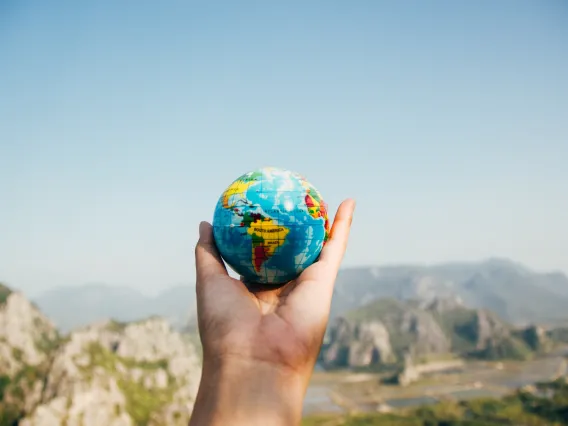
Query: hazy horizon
164, 287
122, 125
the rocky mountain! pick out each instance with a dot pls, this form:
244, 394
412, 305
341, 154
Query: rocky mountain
388, 331
27, 344
499, 285
516, 293
108, 373
72, 307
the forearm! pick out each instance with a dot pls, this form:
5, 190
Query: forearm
243, 393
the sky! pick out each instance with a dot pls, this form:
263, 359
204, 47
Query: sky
122, 122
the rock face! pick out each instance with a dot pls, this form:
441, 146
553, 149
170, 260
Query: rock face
27, 343
388, 331
409, 373
488, 330
108, 373
133, 374
25, 334
427, 334
537, 338
358, 344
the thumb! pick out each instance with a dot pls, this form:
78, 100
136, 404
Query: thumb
208, 262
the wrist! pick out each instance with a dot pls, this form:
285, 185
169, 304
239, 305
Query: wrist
240, 391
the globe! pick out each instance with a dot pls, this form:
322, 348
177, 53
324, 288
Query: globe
269, 225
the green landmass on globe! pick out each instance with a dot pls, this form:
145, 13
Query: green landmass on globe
270, 224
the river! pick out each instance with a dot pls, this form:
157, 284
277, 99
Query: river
476, 380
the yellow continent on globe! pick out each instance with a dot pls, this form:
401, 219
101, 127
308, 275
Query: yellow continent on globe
266, 236
236, 191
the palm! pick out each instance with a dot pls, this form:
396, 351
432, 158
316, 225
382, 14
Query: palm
283, 326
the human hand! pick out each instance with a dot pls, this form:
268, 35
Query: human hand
260, 345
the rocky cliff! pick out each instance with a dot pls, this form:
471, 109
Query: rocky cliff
109, 373
27, 343
388, 331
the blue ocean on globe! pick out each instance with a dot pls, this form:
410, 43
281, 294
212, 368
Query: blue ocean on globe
269, 225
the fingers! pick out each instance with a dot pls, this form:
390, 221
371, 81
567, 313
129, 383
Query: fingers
333, 251
311, 298
208, 262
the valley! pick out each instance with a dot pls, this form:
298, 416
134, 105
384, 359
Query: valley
332, 392
399, 339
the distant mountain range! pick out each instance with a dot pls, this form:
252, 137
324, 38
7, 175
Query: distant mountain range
77, 306
513, 291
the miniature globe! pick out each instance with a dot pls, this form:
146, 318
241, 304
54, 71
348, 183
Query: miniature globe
269, 225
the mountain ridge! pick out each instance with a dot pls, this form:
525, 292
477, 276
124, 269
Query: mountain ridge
499, 284
389, 332
118, 374
70, 307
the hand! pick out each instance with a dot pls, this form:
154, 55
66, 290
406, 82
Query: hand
260, 346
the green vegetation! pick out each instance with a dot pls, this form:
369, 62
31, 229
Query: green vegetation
48, 343
145, 365
506, 348
459, 324
547, 405
13, 391
101, 356
4, 383
377, 309
362, 420
4, 293
25, 379
472, 333
116, 326
9, 415
17, 354
141, 402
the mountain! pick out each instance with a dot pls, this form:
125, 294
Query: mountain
77, 306
500, 285
388, 331
27, 344
111, 373
514, 292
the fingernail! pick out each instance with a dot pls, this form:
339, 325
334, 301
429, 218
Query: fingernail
353, 204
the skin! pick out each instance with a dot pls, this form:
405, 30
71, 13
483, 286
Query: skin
260, 345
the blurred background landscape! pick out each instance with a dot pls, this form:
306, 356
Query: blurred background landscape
122, 123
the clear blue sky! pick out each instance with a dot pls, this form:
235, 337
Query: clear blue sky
122, 122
